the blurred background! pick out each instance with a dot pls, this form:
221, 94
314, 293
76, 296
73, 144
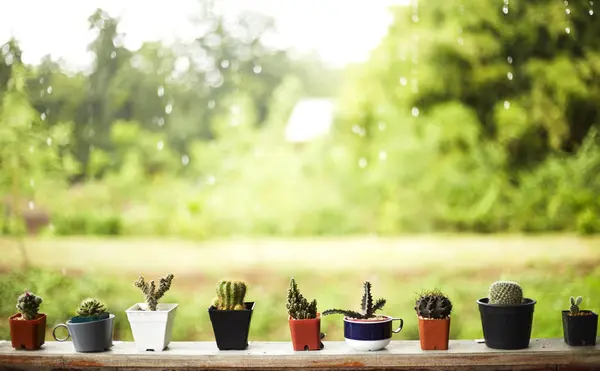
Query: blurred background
416, 144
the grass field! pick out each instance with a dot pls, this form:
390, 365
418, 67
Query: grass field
550, 269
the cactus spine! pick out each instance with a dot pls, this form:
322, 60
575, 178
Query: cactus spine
91, 308
506, 293
297, 305
151, 293
368, 308
230, 295
433, 305
574, 310
29, 304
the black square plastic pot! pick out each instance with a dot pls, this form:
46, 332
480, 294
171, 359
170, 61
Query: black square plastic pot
506, 326
231, 327
580, 330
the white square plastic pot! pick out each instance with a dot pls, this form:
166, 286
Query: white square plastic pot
151, 329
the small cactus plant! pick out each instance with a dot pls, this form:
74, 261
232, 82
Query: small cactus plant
505, 293
297, 305
433, 305
368, 308
574, 310
230, 295
29, 304
90, 310
151, 293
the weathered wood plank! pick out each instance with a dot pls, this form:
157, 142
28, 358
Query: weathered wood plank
543, 355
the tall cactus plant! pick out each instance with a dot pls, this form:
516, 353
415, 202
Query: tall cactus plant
297, 305
29, 304
230, 295
151, 293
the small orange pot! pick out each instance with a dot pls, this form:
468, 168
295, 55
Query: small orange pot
434, 333
28, 335
306, 333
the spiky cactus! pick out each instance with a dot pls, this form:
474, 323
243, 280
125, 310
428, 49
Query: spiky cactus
297, 305
91, 308
433, 305
574, 310
29, 304
230, 295
367, 307
505, 293
150, 292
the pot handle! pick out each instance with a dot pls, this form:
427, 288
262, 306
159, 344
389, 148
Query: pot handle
54, 332
399, 327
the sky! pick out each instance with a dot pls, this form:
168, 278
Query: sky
341, 31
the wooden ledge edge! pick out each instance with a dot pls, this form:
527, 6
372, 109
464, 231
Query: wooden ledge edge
403, 354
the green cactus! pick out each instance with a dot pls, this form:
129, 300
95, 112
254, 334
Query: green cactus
230, 295
505, 293
574, 310
297, 305
29, 304
367, 307
91, 308
434, 305
149, 289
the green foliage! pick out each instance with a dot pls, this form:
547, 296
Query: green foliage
91, 307
574, 309
430, 133
368, 308
28, 305
484, 115
152, 294
87, 223
230, 295
433, 304
505, 293
26, 153
297, 305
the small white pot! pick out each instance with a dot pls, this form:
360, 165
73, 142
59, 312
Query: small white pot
151, 329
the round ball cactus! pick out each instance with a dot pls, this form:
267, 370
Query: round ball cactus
506, 293
433, 305
29, 304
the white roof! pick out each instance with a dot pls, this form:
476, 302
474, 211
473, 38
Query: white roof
310, 119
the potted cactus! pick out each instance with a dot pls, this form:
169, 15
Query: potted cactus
364, 330
433, 309
506, 316
579, 326
152, 323
91, 329
230, 316
304, 320
28, 327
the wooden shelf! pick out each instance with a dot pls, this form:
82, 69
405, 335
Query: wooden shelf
543, 354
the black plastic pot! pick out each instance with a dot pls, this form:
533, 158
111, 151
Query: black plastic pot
231, 327
506, 326
580, 330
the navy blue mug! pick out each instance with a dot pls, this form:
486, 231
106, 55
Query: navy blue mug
371, 334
